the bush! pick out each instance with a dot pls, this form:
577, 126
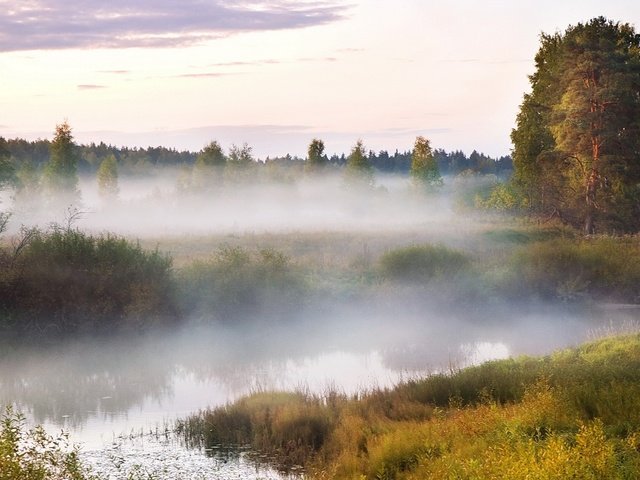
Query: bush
597, 267
67, 281
421, 263
237, 283
34, 455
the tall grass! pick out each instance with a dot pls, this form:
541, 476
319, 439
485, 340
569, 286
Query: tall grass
573, 269
573, 414
237, 283
422, 263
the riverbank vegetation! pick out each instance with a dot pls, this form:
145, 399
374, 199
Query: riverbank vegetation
573, 414
62, 280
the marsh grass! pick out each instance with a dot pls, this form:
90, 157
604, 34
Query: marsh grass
604, 268
573, 414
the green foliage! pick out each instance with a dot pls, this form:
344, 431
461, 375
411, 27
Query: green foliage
598, 267
237, 283
64, 280
502, 197
424, 169
107, 178
316, 160
359, 172
209, 167
577, 137
421, 263
240, 164
7, 169
61, 173
35, 455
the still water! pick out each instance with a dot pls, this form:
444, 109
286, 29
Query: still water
118, 399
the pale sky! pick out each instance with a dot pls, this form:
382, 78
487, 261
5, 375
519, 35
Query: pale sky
277, 73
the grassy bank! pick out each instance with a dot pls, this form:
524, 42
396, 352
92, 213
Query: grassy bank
573, 414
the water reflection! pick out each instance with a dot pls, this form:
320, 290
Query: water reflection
99, 390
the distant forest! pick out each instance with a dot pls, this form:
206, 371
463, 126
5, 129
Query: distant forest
36, 154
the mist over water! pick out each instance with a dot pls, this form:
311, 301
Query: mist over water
357, 336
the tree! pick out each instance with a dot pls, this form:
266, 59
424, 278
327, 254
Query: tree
316, 160
424, 169
359, 171
239, 163
209, 165
61, 173
107, 177
7, 170
577, 140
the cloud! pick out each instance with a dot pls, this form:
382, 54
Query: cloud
272, 61
202, 75
64, 24
90, 87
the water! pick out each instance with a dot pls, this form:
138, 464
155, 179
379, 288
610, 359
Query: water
118, 399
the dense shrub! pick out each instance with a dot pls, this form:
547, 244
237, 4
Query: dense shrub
237, 283
35, 455
64, 280
595, 267
421, 263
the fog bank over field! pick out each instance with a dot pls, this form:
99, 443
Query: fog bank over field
157, 206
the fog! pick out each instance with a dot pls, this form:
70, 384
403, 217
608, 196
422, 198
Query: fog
158, 206
337, 323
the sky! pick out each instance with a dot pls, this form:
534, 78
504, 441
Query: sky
277, 73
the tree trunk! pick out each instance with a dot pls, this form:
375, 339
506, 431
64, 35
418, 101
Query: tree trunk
590, 198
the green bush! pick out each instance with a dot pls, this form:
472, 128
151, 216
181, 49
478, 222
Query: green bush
597, 267
64, 281
237, 283
35, 455
421, 263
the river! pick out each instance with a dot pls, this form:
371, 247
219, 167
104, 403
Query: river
118, 399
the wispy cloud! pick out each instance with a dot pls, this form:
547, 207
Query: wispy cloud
115, 72
63, 24
90, 87
203, 75
271, 61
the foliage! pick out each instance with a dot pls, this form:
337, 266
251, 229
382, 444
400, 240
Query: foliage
209, 167
597, 267
61, 173
63, 280
107, 178
421, 263
359, 172
424, 169
577, 137
7, 169
236, 283
316, 159
35, 455
288, 426
240, 164
501, 197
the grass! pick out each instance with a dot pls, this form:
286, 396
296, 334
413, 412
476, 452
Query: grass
573, 414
